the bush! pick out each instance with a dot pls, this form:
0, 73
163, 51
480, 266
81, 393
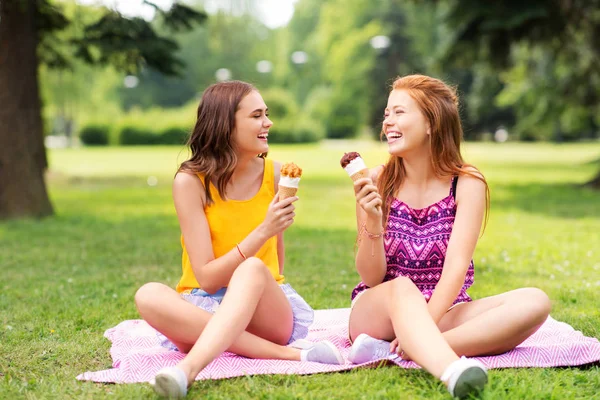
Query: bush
173, 136
94, 135
130, 135
300, 131
345, 118
343, 124
317, 105
282, 104
282, 131
308, 131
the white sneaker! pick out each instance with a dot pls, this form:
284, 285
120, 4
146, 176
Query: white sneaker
366, 348
465, 376
170, 382
323, 352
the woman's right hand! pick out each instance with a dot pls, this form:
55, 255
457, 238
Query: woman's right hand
280, 215
368, 197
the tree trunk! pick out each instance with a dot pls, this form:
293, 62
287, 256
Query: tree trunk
22, 153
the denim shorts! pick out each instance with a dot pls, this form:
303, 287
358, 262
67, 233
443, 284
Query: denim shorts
303, 313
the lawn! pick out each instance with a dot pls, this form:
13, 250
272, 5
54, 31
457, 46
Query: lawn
66, 279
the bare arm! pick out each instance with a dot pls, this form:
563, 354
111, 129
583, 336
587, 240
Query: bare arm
470, 208
211, 273
280, 252
371, 262
280, 243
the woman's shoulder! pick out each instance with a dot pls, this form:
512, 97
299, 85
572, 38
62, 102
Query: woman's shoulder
188, 183
469, 171
375, 172
276, 165
276, 173
471, 183
184, 177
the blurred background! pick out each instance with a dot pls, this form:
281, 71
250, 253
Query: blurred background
524, 71
117, 73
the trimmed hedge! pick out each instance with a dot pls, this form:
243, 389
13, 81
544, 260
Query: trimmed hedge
94, 135
131, 135
174, 136
134, 136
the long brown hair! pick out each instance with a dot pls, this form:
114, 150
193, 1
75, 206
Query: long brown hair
439, 104
210, 143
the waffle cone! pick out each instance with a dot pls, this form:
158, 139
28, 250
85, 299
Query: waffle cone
363, 173
285, 192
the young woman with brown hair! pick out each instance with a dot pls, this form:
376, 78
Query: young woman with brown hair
232, 225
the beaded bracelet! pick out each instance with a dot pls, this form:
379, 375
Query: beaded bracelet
371, 236
237, 245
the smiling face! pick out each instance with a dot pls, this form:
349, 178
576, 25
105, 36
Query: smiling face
404, 125
252, 125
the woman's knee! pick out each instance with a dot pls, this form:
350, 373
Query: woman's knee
252, 270
534, 303
403, 286
540, 302
147, 295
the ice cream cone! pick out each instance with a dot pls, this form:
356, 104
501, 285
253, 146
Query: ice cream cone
363, 173
285, 192
355, 167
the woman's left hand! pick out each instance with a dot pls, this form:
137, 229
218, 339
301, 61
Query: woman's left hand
395, 348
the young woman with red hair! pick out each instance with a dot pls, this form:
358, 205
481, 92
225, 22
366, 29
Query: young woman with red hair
419, 217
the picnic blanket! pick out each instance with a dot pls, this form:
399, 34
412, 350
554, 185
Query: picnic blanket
137, 355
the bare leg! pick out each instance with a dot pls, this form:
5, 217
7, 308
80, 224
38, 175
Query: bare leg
397, 309
183, 323
494, 325
251, 291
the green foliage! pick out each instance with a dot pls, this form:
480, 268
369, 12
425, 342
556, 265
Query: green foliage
125, 43
542, 110
157, 90
131, 135
129, 43
173, 136
344, 120
308, 130
155, 125
136, 136
94, 135
529, 66
288, 125
297, 130
282, 104
318, 104
550, 56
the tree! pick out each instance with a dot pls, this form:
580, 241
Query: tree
551, 50
27, 31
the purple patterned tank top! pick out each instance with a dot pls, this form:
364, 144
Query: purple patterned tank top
415, 245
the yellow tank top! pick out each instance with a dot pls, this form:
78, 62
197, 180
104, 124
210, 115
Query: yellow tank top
230, 222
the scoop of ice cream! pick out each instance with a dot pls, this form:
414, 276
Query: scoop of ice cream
291, 170
289, 182
348, 157
356, 165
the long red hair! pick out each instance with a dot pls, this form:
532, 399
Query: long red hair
439, 104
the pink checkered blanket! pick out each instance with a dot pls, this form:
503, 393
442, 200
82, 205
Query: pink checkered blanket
137, 355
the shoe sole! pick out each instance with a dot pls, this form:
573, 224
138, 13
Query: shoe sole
338, 355
471, 381
356, 345
167, 386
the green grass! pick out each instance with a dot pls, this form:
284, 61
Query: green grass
67, 279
